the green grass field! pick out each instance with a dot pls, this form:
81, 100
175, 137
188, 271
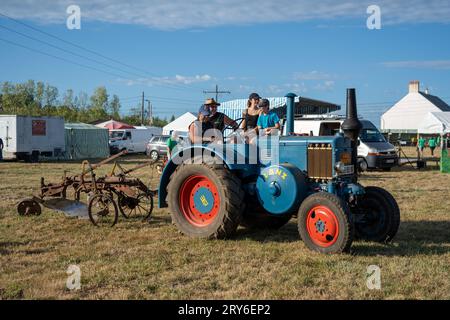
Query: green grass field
136, 260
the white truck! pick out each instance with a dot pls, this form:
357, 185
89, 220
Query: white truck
132, 140
27, 138
374, 152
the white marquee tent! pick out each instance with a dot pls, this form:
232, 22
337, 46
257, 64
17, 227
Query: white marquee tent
435, 123
180, 124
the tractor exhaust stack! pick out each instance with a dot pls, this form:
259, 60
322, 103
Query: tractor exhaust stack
352, 126
290, 104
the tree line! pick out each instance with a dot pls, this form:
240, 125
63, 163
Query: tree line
36, 98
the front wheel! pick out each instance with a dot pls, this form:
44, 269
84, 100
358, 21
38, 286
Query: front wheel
205, 201
377, 216
324, 223
154, 155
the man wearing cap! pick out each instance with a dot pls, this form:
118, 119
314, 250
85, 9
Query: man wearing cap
268, 120
218, 119
198, 127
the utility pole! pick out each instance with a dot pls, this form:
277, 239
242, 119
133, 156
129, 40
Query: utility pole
142, 109
150, 112
216, 92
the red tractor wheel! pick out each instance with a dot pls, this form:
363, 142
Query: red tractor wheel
324, 223
205, 202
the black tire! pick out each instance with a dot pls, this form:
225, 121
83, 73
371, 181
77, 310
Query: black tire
104, 200
228, 215
256, 217
154, 155
339, 242
378, 216
362, 165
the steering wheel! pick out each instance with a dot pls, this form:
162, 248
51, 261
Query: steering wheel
238, 122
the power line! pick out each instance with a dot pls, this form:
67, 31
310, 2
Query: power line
60, 58
216, 92
172, 86
67, 51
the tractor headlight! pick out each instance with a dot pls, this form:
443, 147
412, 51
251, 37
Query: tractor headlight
339, 166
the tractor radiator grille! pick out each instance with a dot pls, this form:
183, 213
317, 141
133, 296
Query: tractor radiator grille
320, 163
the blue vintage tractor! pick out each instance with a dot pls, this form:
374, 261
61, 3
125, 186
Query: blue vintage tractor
209, 193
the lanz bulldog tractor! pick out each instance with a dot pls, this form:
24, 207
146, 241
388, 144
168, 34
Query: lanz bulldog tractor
314, 179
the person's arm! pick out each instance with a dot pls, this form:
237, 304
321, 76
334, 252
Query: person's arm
230, 122
193, 134
243, 123
276, 120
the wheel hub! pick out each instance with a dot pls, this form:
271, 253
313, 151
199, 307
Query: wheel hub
199, 200
322, 226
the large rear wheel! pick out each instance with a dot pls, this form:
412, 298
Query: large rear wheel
324, 223
205, 201
377, 216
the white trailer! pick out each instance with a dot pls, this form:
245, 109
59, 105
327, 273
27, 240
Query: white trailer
26, 137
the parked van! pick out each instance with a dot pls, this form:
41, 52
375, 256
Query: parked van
132, 140
27, 138
374, 152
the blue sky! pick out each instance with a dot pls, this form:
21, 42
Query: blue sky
180, 49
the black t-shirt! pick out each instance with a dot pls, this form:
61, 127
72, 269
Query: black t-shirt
217, 121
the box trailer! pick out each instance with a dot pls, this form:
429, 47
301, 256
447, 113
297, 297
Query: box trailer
27, 138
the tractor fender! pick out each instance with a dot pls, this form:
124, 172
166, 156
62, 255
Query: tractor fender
180, 157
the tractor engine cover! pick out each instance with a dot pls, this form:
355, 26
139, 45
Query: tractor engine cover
281, 188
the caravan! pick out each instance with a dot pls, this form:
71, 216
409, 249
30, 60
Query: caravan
27, 138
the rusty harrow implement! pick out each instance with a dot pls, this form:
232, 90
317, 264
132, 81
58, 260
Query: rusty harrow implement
107, 195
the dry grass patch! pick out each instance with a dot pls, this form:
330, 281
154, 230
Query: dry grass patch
153, 261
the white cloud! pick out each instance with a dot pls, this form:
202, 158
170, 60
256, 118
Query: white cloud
327, 85
198, 14
177, 79
424, 64
312, 75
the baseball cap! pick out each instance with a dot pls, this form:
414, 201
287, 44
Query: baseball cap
264, 103
254, 95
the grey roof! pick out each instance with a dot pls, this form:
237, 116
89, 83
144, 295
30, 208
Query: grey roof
438, 102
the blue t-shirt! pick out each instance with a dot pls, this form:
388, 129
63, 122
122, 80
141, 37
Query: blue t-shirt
268, 120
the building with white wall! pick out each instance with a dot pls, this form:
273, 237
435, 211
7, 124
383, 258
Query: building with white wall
406, 115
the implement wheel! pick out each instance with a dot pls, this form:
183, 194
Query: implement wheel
324, 223
29, 207
102, 210
205, 201
142, 205
377, 216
